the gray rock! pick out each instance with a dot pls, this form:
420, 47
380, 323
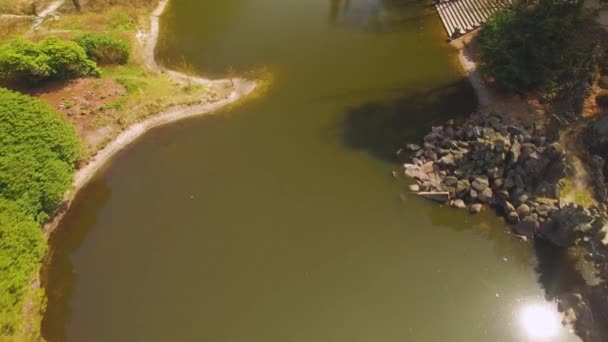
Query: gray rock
473, 194
438, 196
480, 183
459, 204
512, 217
428, 167
527, 227
475, 208
503, 195
523, 210
486, 195
508, 207
566, 224
514, 152
498, 183
447, 160
450, 180
414, 187
412, 147
462, 187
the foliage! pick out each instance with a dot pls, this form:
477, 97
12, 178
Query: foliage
545, 46
22, 247
104, 49
38, 150
51, 58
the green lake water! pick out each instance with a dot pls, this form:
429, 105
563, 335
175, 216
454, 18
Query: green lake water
279, 220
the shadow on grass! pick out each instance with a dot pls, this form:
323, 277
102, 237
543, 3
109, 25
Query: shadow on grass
383, 126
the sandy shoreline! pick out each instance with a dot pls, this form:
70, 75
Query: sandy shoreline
241, 89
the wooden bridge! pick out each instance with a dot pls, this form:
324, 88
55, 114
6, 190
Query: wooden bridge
462, 16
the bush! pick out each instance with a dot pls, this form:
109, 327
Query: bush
51, 58
546, 46
38, 150
22, 247
104, 49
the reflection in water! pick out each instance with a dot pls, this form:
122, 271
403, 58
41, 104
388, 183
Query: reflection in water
539, 321
59, 276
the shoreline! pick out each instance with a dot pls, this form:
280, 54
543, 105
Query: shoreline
241, 89
83, 175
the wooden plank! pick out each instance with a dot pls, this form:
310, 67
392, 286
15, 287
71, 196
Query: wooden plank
473, 10
448, 14
460, 25
466, 13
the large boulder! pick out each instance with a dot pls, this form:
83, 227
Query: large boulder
596, 136
565, 225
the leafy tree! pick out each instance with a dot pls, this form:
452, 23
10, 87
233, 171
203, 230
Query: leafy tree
104, 49
543, 46
50, 58
38, 150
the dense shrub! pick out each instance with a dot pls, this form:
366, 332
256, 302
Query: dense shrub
50, 58
545, 46
104, 49
38, 150
22, 247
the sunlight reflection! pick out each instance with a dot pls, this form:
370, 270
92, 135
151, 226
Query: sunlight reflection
539, 321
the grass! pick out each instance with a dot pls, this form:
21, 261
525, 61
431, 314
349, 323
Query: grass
148, 94
569, 193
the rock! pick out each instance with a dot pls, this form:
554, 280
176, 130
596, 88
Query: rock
459, 204
523, 210
512, 217
438, 196
480, 183
450, 181
447, 160
475, 208
414, 187
474, 195
563, 227
503, 195
514, 153
596, 136
486, 195
527, 227
428, 167
508, 207
497, 183
412, 147
462, 187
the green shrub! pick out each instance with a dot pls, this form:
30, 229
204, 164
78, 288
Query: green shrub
48, 59
545, 46
104, 49
38, 150
22, 247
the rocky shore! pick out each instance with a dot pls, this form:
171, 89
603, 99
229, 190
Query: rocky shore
519, 170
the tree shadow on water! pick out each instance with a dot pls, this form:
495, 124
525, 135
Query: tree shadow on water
382, 127
58, 275
560, 279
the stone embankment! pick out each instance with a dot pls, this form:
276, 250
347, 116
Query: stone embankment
489, 161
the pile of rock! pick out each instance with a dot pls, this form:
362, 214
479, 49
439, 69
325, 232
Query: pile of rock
490, 161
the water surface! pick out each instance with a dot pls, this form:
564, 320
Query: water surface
279, 220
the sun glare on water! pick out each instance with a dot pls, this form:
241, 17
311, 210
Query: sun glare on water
539, 321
